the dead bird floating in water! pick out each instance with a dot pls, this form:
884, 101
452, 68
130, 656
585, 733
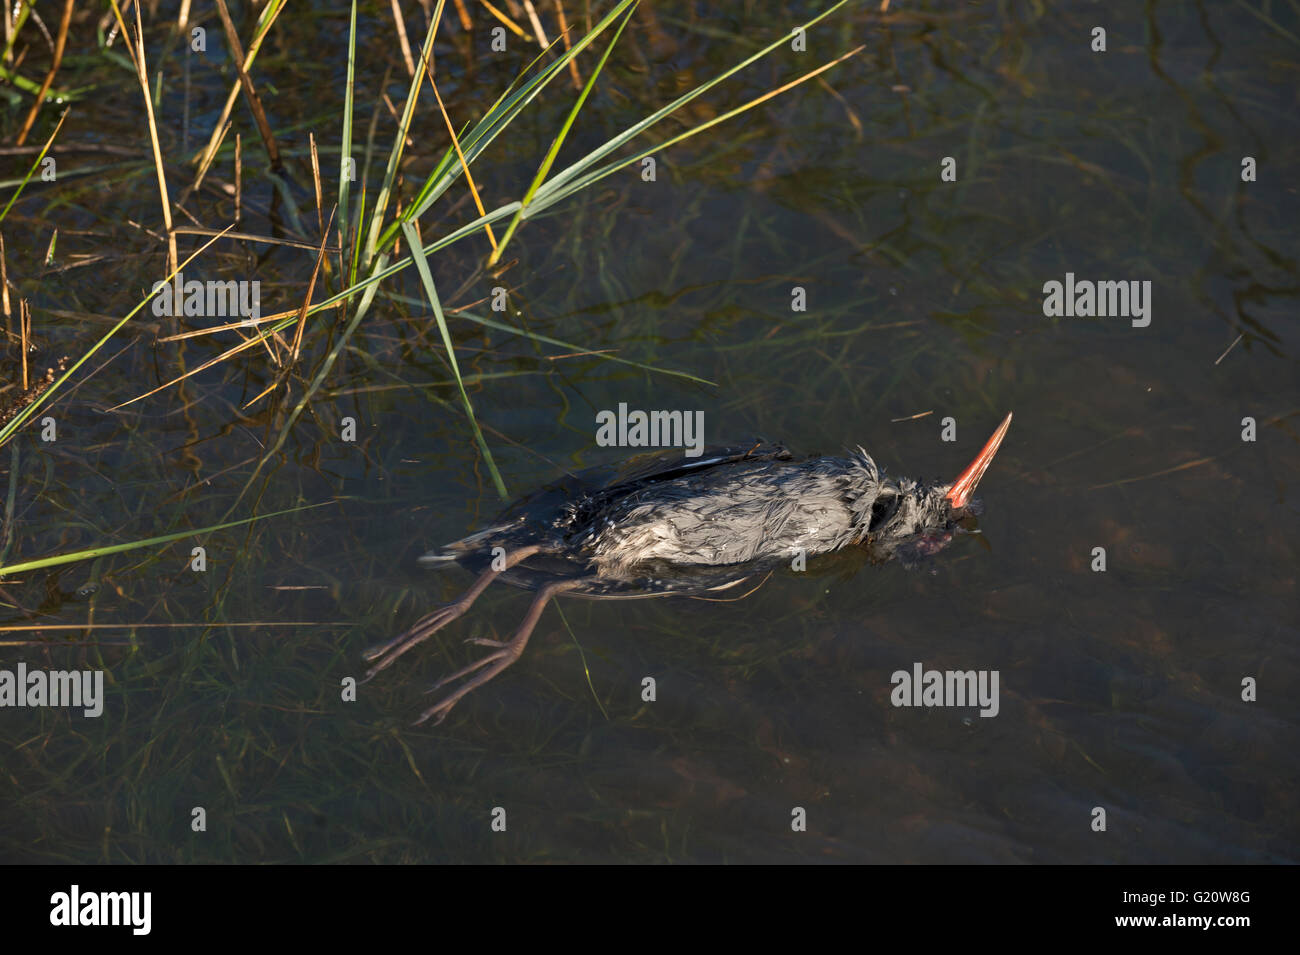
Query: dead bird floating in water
678, 525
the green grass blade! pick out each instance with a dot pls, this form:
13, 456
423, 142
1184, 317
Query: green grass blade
399, 140
89, 552
549, 159
356, 250
36, 165
587, 161
345, 149
426, 278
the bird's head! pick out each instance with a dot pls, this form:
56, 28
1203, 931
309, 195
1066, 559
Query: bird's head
920, 519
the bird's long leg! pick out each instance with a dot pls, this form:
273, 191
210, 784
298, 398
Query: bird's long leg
506, 653
386, 654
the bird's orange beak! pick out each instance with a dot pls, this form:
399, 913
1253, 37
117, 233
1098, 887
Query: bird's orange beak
962, 488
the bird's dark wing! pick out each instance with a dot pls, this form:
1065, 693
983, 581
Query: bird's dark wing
644, 469
602, 483
586, 495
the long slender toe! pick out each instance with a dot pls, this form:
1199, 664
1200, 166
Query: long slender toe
386, 654
463, 672
440, 709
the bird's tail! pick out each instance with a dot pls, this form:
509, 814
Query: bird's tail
457, 551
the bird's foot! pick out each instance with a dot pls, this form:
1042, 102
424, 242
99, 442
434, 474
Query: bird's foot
505, 653
386, 654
